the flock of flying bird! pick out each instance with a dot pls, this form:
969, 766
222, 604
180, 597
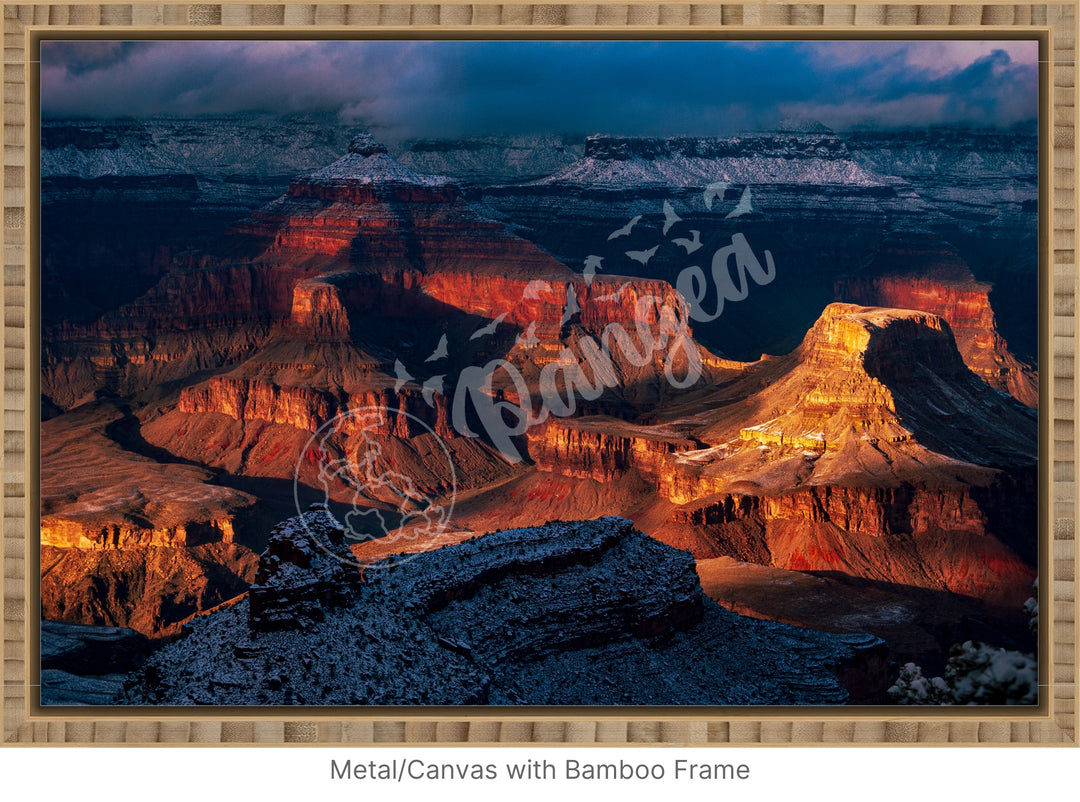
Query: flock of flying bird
537, 287
712, 192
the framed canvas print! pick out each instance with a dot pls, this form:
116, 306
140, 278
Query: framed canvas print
525, 380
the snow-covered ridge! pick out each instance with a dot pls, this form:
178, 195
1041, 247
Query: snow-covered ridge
568, 613
212, 146
768, 158
824, 145
980, 177
367, 162
73, 161
376, 169
948, 151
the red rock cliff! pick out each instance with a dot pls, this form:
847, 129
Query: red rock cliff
940, 282
604, 450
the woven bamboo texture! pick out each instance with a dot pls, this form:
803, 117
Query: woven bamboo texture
1055, 721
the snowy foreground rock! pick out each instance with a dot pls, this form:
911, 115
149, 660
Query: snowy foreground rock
590, 613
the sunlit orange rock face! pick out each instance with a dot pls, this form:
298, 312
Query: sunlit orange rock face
865, 452
195, 319
367, 260
129, 541
604, 449
321, 265
940, 282
152, 590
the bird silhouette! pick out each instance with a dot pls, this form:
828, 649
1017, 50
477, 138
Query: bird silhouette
625, 230
714, 191
592, 264
691, 244
401, 374
489, 329
572, 307
534, 288
670, 218
743, 207
529, 338
643, 256
614, 296
440, 351
432, 386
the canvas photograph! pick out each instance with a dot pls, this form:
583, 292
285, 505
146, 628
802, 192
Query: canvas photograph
539, 373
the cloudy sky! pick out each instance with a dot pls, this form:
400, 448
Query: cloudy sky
449, 88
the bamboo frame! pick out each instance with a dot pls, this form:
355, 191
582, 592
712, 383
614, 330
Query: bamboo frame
1054, 722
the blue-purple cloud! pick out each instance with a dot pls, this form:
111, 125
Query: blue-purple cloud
440, 88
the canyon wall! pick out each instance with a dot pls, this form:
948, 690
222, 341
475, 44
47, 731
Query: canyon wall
591, 450
151, 589
967, 309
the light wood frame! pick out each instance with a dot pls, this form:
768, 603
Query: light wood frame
1053, 722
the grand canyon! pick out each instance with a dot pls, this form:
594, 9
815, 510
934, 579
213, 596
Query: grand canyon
547, 419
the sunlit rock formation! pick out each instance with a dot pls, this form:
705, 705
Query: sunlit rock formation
871, 450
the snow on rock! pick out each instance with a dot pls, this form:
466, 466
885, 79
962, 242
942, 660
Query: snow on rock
207, 146
366, 145
977, 177
976, 674
368, 162
587, 612
306, 567
754, 159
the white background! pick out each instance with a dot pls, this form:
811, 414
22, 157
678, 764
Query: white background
880, 774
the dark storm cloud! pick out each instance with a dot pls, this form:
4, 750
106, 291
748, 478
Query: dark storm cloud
637, 88
78, 58
403, 89
916, 83
186, 78
993, 89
